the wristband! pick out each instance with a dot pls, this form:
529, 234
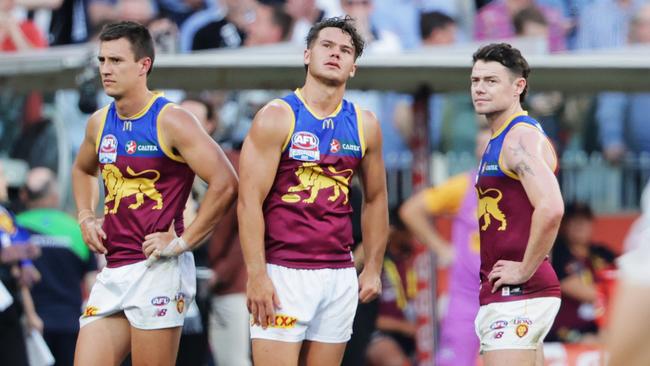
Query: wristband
81, 217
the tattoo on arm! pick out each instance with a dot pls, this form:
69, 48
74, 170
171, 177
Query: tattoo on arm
521, 168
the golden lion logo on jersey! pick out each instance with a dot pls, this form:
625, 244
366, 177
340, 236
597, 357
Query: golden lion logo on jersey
489, 206
119, 187
313, 180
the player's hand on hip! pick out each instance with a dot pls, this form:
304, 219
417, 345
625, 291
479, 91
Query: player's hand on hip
507, 273
262, 300
93, 234
369, 285
157, 244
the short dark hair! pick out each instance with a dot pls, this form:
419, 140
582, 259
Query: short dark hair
209, 108
433, 20
137, 34
578, 209
282, 20
346, 24
507, 56
528, 14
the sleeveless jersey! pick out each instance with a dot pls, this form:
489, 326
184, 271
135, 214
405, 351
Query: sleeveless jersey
504, 217
146, 184
307, 211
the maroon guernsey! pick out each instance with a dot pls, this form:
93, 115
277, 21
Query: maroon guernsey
307, 211
505, 214
146, 184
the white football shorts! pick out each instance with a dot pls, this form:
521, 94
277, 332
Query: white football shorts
316, 305
153, 297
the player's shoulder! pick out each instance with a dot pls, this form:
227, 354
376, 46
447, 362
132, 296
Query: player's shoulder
276, 108
524, 131
274, 115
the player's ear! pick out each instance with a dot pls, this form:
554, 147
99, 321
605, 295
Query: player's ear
306, 56
145, 65
353, 70
520, 85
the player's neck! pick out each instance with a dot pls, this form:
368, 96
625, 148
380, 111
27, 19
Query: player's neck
323, 99
497, 119
133, 102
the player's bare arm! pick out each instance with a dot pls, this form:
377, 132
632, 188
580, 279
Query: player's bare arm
183, 134
374, 214
415, 215
526, 151
258, 165
85, 187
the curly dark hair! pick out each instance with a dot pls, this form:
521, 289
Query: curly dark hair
507, 56
346, 24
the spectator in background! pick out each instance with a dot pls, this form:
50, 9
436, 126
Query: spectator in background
36, 143
622, 118
227, 317
17, 35
452, 121
378, 40
271, 25
394, 341
457, 199
530, 22
221, 26
304, 13
102, 12
577, 260
70, 23
66, 264
179, 10
495, 21
437, 28
605, 24
164, 33
12, 341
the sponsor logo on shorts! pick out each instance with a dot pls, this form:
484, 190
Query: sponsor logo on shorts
521, 330
160, 312
499, 324
160, 301
90, 311
180, 302
284, 321
522, 320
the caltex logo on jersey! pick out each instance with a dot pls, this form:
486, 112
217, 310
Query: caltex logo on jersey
131, 147
108, 149
304, 146
335, 146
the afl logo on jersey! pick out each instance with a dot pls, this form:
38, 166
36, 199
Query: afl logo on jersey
131, 147
108, 149
304, 146
335, 146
